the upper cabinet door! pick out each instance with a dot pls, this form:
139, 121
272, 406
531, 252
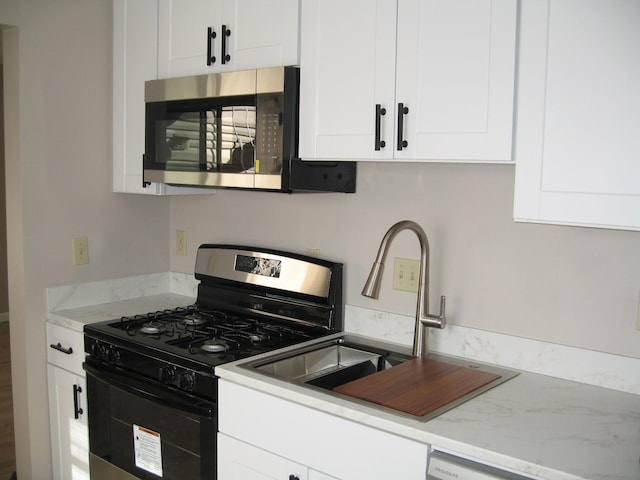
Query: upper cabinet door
264, 33
415, 80
206, 36
347, 67
184, 44
135, 34
455, 77
579, 113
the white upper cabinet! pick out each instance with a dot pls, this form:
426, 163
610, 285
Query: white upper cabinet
412, 80
578, 140
206, 36
164, 38
135, 36
135, 60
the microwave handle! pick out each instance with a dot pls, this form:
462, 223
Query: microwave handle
211, 34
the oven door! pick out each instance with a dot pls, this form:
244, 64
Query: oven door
141, 429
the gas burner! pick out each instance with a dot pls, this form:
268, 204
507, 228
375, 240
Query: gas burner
152, 328
193, 320
257, 337
213, 346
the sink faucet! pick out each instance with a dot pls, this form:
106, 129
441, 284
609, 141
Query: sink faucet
423, 318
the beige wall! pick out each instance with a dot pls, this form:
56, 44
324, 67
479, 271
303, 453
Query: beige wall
4, 289
57, 66
566, 285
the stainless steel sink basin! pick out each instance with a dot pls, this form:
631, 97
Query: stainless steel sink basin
330, 365
333, 362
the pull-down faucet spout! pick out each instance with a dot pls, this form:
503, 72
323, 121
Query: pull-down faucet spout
423, 318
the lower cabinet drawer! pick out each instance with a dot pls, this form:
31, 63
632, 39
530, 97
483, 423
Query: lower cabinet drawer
65, 348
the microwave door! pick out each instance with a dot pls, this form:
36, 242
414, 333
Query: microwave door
180, 144
236, 128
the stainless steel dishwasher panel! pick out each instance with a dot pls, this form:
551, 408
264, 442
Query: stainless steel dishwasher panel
443, 466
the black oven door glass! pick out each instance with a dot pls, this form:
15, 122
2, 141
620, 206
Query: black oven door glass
185, 426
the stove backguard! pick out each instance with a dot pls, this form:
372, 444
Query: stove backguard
273, 284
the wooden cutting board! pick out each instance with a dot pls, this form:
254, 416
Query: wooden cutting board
418, 386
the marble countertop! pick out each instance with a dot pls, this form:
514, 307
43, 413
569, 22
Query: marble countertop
76, 318
535, 425
543, 427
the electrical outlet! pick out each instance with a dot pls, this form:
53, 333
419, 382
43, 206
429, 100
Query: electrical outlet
181, 242
406, 274
80, 251
313, 252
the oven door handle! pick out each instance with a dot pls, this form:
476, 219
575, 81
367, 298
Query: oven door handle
151, 390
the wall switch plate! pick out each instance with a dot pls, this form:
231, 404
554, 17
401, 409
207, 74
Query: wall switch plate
406, 274
181, 242
80, 251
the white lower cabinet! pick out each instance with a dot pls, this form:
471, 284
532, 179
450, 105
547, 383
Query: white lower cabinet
246, 462
266, 437
242, 461
67, 404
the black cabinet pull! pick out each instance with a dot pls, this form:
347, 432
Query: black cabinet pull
380, 112
211, 34
293, 477
402, 111
60, 348
225, 33
77, 411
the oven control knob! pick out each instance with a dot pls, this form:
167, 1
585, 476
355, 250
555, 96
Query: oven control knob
167, 375
99, 351
187, 381
114, 355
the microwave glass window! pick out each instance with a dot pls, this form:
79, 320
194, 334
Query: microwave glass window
217, 140
181, 142
233, 139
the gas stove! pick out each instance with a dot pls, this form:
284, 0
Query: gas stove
249, 301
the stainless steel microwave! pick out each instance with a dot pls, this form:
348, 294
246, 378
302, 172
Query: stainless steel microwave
233, 130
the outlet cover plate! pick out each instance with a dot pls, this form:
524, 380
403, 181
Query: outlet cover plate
181, 242
80, 251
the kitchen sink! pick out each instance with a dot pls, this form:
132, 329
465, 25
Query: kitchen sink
341, 364
330, 365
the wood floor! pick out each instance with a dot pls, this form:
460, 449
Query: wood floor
7, 448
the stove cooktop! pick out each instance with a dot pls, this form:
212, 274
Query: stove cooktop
250, 301
209, 336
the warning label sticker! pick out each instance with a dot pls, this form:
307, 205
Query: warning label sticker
147, 449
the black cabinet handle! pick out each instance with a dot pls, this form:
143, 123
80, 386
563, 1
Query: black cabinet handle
77, 411
293, 477
211, 34
225, 33
402, 111
380, 112
60, 348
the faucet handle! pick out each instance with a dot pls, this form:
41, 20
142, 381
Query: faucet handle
438, 321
